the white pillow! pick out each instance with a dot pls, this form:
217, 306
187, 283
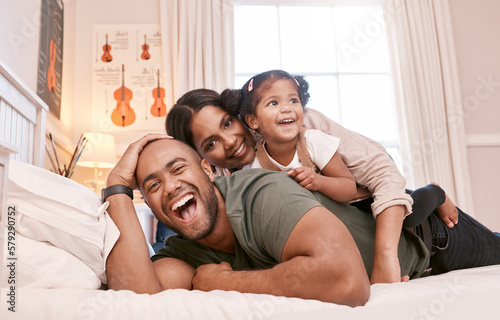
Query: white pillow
52, 208
42, 265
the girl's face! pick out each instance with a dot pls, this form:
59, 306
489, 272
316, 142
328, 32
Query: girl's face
279, 115
222, 139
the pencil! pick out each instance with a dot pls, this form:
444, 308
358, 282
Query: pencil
74, 153
50, 157
79, 154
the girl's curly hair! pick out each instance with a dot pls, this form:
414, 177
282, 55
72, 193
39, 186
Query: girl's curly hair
241, 102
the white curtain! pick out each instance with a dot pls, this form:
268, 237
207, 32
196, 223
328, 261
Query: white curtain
198, 45
428, 96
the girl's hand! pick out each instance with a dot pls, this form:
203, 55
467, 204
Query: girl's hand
306, 177
124, 171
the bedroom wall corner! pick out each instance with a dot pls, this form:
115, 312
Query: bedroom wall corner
19, 40
477, 50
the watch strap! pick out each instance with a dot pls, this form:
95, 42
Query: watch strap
116, 189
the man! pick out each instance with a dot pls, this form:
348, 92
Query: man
255, 231
312, 256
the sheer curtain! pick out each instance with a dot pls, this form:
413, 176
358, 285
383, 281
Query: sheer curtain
428, 96
198, 45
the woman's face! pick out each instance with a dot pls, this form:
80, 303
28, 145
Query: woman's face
221, 138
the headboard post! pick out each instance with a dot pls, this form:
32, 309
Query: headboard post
22, 118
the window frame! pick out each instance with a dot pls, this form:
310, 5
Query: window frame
388, 144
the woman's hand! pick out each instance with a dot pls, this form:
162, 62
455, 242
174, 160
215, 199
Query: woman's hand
386, 267
124, 171
387, 270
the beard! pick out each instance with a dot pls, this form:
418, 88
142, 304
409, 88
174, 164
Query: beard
210, 207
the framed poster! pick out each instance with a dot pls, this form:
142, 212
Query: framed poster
49, 78
127, 84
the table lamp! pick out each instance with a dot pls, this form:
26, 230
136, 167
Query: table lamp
99, 153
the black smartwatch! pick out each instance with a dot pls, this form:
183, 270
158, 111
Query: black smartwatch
116, 189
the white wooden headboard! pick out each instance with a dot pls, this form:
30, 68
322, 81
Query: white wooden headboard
22, 135
22, 118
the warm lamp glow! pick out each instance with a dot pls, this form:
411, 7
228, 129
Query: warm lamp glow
99, 151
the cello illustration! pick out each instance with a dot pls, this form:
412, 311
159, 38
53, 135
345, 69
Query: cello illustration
106, 56
158, 109
123, 115
145, 47
51, 72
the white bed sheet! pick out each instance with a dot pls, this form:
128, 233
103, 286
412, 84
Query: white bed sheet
464, 294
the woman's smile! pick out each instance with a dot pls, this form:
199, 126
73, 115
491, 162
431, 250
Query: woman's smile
240, 150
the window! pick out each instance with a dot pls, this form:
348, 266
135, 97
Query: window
339, 47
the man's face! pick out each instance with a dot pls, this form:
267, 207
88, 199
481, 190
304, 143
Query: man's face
178, 187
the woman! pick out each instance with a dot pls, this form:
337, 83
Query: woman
199, 119
219, 136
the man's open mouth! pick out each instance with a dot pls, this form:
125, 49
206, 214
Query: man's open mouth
185, 208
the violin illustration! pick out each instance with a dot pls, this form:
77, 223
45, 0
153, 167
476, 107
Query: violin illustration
145, 47
158, 109
106, 56
123, 115
51, 72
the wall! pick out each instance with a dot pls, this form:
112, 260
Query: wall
475, 27
19, 40
19, 43
90, 12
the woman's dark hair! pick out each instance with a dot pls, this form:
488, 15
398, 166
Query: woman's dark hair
241, 102
178, 123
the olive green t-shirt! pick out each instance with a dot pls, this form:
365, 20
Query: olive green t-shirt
263, 208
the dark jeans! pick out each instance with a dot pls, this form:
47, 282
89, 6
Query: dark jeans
425, 201
468, 244
162, 233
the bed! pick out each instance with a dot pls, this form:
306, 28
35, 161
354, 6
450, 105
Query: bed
465, 294
53, 266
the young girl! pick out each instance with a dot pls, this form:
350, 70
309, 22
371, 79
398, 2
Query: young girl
272, 103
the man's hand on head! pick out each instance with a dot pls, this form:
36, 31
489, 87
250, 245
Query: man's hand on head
124, 171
